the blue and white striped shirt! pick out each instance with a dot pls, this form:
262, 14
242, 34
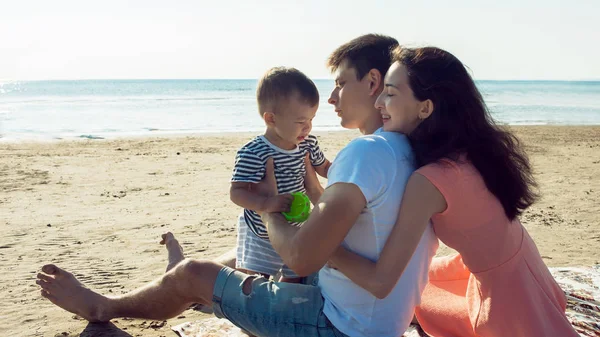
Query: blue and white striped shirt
289, 170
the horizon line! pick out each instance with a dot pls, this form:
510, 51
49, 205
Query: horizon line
3, 81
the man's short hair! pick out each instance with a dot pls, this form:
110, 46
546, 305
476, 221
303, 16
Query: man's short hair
279, 84
366, 52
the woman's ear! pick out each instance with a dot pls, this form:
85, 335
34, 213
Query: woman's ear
426, 109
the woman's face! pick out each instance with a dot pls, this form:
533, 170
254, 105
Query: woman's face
400, 110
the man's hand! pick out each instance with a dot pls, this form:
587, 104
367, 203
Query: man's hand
277, 203
267, 189
307, 248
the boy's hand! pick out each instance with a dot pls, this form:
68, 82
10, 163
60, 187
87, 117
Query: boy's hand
311, 182
278, 203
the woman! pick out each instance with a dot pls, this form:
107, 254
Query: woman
473, 182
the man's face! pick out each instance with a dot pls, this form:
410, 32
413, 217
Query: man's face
350, 97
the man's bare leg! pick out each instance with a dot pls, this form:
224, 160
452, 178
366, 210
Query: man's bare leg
175, 255
189, 281
228, 258
174, 250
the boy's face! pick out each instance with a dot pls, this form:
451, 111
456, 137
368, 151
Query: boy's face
350, 97
294, 121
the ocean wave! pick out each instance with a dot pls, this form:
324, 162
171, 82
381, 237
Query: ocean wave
90, 137
115, 100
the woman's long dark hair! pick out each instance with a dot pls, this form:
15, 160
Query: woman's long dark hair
461, 124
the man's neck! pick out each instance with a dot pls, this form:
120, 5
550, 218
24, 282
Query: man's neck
371, 124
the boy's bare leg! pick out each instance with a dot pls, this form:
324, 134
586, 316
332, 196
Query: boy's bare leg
189, 281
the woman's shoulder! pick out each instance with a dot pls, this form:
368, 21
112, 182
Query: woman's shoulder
447, 170
444, 165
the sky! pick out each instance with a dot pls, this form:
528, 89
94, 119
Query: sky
118, 39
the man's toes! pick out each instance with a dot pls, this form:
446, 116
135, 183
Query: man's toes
163, 239
45, 277
168, 236
48, 295
45, 285
51, 269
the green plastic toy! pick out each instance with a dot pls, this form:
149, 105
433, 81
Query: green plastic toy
300, 209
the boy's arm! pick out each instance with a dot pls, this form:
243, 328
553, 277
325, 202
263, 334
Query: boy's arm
317, 157
313, 187
314, 194
244, 195
323, 169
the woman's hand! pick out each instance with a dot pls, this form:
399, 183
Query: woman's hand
338, 254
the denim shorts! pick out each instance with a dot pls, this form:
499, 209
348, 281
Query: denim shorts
271, 309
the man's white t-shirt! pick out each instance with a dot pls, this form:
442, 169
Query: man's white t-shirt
380, 165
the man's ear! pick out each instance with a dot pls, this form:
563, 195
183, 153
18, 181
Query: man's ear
269, 118
375, 81
426, 109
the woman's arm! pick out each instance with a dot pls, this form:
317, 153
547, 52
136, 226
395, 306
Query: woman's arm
420, 201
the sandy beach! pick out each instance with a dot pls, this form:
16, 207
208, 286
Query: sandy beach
98, 207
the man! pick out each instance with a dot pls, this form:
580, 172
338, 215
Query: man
358, 209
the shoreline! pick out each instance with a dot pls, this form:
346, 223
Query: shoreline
201, 134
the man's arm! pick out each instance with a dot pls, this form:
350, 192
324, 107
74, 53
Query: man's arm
244, 195
359, 176
306, 249
248, 171
421, 200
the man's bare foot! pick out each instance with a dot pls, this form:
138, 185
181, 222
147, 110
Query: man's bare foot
174, 250
65, 291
